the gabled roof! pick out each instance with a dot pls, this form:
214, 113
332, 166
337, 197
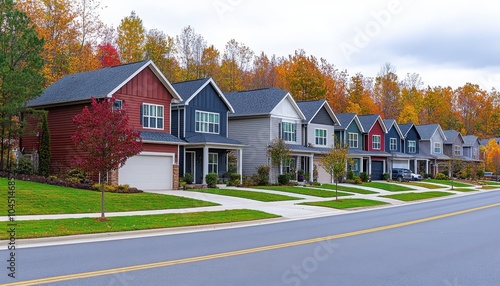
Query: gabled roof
312, 107
405, 128
100, 83
345, 119
389, 123
259, 101
451, 136
189, 89
484, 142
427, 131
470, 140
368, 121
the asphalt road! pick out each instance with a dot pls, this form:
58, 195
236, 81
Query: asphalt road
447, 242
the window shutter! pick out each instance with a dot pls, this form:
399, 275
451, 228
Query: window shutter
141, 112
280, 131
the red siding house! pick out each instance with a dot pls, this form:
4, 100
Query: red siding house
374, 143
145, 93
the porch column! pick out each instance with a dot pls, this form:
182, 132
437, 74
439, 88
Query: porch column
311, 168
205, 163
240, 164
427, 166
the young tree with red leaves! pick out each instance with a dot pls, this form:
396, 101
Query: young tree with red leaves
108, 55
105, 139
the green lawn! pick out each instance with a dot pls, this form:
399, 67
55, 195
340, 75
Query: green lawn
347, 189
35, 198
490, 187
387, 186
425, 185
449, 182
258, 196
417, 196
63, 227
303, 191
464, 189
346, 203
493, 183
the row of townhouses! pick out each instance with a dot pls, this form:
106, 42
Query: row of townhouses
191, 127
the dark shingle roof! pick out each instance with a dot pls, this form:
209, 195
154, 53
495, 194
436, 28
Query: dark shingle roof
255, 102
367, 121
83, 86
187, 88
159, 137
310, 108
484, 142
211, 138
302, 148
389, 122
405, 128
451, 136
470, 140
344, 120
426, 131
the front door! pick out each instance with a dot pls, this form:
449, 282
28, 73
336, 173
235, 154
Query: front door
190, 164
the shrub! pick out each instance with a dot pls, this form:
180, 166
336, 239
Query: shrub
44, 156
262, 177
189, 178
115, 188
480, 173
441, 176
386, 176
363, 176
77, 175
356, 180
350, 175
249, 181
284, 179
234, 179
211, 179
25, 166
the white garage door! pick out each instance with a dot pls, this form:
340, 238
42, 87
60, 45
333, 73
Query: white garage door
147, 172
400, 164
323, 176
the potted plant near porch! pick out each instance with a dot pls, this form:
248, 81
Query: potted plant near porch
300, 175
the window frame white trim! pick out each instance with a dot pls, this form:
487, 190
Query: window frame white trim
115, 103
293, 133
391, 145
410, 148
379, 142
149, 117
212, 164
455, 149
439, 146
207, 124
320, 138
349, 139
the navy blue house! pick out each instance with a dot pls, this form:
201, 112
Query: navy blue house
201, 120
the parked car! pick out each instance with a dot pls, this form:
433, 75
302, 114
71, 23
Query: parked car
491, 176
401, 174
416, 177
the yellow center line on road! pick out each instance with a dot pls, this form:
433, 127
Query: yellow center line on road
238, 252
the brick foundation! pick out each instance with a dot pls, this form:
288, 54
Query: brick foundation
175, 177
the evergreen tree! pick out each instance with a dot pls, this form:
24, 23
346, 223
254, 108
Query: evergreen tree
44, 156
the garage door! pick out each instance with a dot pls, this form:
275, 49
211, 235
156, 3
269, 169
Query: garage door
400, 164
377, 170
323, 176
147, 172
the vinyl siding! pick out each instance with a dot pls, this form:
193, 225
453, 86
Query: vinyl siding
311, 134
323, 117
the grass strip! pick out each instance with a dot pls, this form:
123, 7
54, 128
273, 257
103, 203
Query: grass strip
35, 198
425, 185
407, 197
64, 227
347, 189
387, 187
258, 196
303, 191
346, 203
449, 183
464, 189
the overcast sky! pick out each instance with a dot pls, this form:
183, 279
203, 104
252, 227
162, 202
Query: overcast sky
446, 42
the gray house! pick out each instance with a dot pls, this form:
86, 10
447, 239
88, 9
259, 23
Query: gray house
261, 116
318, 132
432, 141
471, 147
454, 144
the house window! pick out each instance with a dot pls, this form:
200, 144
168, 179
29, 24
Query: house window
117, 104
207, 122
353, 140
457, 150
152, 116
213, 163
376, 141
320, 137
412, 146
437, 148
289, 133
355, 165
393, 144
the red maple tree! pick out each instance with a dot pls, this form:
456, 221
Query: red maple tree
105, 139
108, 55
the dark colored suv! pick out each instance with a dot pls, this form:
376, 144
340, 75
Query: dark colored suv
400, 174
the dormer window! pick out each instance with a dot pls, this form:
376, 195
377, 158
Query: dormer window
207, 122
